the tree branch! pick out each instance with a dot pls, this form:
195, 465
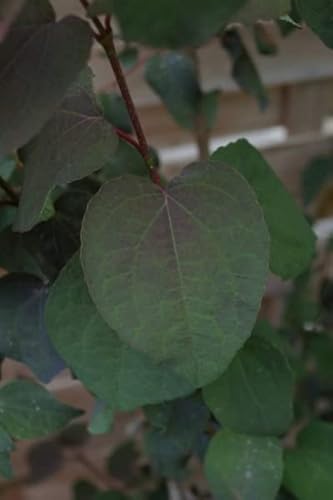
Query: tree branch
105, 38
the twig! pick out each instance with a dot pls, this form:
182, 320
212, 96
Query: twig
105, 38
128, 138
9, 191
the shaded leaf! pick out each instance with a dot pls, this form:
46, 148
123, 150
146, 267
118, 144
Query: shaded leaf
308, 467
145, 21
244, 70
317, 174
318, 16
292, 239
48, 58
6, 446
288, 23
176, 428
28, 411
126, 160
76, 142
115, 111
83, 490
173, 78
102, 418
120, 376
243, 467
178, 272
255, 394
22, 326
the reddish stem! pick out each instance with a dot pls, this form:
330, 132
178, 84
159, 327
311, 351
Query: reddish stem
128, 138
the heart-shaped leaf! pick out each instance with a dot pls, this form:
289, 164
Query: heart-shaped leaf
179, 273
39, 60
74, 143
292, 239
243, 467
120, 376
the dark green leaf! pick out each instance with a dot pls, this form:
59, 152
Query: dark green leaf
16, 256
318, 16
126, 160
120, 376
301, 304
292, 239
243, 467
255, 394
173, 77
288, 23
169, 23
308, 467
22, 326
7, 217
6, 446
316, 176
244, 71
7, 167
176, 429
28, 411
178, 272
84, 491
76, 142
39, 59
115, 111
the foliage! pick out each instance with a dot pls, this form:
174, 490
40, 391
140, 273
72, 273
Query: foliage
148, 289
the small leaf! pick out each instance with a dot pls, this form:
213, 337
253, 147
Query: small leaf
166, 23
102, 418
255, 394
6, 446
292, 239
316, 176
120, 376
47, 57
76, 142
243, 467
115, 111
173, 77
23, 333
244, 71
176, 428
28, 411
126, 160
178, 272
308, 467
318, 16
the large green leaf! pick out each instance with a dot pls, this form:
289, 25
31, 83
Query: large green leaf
23, 334
74, 143
254, 395
179, 272
176, 428
240, 467
28, 411
39, 60
318, 16
308, 467
292, 239
120, 376
244, 70
169, 23
173, 77
6, 446
262, 9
